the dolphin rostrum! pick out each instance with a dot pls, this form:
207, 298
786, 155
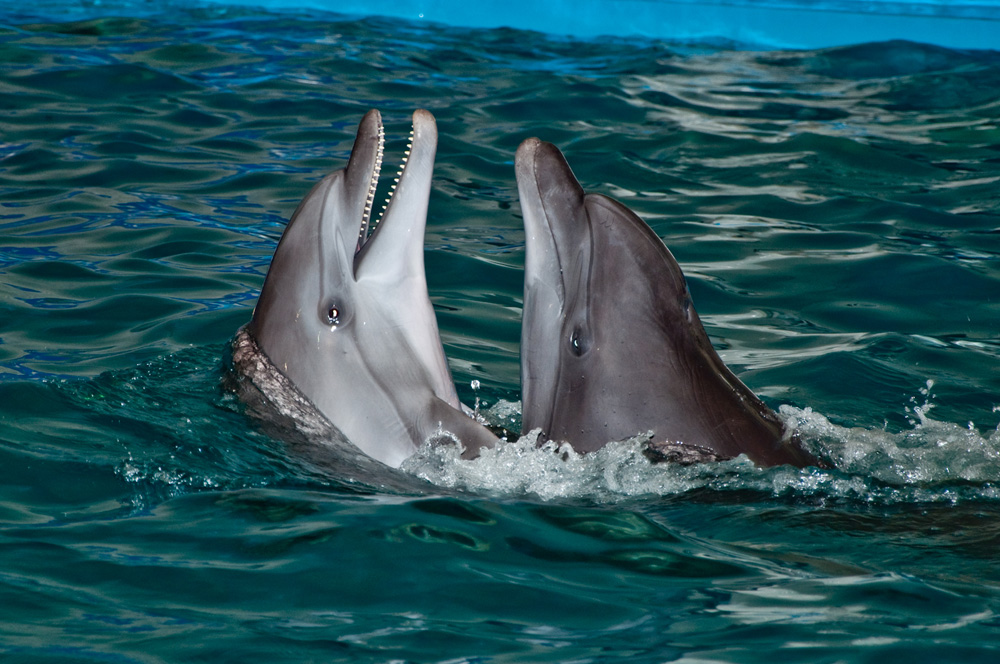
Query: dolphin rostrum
611, 346
344, 332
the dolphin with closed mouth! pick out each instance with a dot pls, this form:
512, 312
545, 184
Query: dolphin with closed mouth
611, 345
343, 339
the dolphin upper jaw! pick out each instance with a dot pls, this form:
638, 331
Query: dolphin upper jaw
363, 170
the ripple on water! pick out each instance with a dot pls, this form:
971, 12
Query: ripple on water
835, 212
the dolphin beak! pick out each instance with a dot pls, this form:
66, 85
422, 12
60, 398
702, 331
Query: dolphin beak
555, 222
557, 257
362, 172
399, 234
541, 251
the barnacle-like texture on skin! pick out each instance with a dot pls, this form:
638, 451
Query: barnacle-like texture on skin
250, 364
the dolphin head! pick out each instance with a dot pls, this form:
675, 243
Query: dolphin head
345, 314
611, 345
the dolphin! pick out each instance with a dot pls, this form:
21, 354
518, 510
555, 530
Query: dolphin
611, 345
343, 339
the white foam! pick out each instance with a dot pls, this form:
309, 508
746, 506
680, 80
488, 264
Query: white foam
929, 462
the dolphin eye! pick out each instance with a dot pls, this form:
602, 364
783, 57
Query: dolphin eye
579, 341
334, 313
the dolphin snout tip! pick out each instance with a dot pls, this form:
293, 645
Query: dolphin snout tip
527, 148
423, 122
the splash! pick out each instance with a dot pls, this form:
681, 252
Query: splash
930, 462
178, 447
927, 454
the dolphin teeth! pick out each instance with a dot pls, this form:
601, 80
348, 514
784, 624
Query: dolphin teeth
372, 185
392, 189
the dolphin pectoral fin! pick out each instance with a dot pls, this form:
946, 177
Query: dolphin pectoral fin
472, 435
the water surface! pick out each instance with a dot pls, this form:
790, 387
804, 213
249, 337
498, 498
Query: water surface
836, 213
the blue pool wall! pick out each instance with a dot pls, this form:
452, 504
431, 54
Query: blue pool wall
963, 24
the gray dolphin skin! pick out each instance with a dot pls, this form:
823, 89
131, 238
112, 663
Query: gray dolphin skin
611, 346
344, 325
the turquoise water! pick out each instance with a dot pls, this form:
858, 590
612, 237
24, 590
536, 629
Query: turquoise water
837, 214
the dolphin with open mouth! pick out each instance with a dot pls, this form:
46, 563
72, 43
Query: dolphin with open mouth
611, 346
343, 340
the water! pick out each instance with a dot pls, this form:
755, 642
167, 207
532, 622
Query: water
837, 215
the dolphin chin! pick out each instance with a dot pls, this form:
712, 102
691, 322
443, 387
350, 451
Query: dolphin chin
611, 345
343, 340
